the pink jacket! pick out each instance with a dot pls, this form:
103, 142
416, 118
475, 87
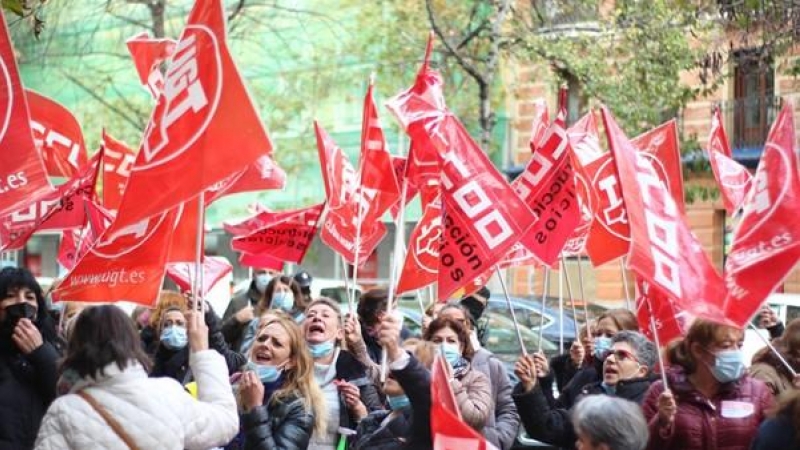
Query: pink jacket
727, 422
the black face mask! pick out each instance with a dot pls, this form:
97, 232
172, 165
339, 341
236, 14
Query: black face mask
16, 312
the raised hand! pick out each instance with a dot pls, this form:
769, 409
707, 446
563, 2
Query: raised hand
26, 336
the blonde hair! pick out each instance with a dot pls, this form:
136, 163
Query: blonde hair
167, 301
300, 377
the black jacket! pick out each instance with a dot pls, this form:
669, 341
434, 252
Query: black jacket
588, 374
231, 329
374, 348
279, 425
350, 369
175, 363
562, 370
411, 428
553, 425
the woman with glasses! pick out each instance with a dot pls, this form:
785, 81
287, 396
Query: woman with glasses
627, 373
710, 401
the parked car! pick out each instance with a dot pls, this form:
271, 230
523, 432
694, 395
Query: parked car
532, 316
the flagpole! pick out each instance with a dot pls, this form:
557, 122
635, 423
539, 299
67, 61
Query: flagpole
198, 270
356, 255
569, 293
625, 285
513, 314
421, 304
347, 286
560, 308
583, 297
545, 288
657, 340
397, 255
774, 350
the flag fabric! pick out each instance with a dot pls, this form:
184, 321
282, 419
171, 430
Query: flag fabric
663, 252
584, 141
288, 239
654, 307
264, 174
661, 145
766, 243
260, 262
214, 269
540, 124
189, 221
421, 266
609, 234
204, 126
117, 161
57, 135
75, 243
22, 171
733, 179
148, 54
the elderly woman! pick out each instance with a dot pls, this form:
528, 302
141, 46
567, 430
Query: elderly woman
472, 389
627, 374
28, 355
711, 402
112, 404
608, 423
349, 393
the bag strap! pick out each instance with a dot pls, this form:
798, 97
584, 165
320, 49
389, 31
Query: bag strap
112, 422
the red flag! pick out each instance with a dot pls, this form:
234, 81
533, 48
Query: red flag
22, 172
148, 55
421, 266
548, 186
214, 269
263, 218
262, 175
655, 307
733, 179
448, 430
183, 246
585, 144
125, 264
662, 144
664, 252
260, 262
766, 243
117, 161
75, 243
57, 135
204, 127
541, 122
286, 240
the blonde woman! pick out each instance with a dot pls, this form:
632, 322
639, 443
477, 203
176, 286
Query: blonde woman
281, 402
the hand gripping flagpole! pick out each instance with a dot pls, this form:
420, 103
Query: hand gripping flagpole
774, 351
513, 314
545, 289
397, 256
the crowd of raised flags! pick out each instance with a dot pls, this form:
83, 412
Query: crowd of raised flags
205, 140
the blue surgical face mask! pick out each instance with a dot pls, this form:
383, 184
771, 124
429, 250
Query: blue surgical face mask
728, 366
174, 337
262, 280
397, 401
451, 352
267, 373
321, 350
602, 345
283, 301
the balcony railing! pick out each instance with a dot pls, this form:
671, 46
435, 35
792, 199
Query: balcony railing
748, 120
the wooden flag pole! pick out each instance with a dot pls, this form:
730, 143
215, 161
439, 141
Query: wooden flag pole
774, 351
625, 285
545, 289
513, 313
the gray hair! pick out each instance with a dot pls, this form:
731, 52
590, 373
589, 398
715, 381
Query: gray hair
615, 422
645, 351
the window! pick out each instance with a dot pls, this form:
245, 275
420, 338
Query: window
755, 104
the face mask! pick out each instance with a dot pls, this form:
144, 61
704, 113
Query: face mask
397, 401
283, 301
451, 353
602, 345
262, 280
174, 337
728, 366
267, 373
320, 350
18, 311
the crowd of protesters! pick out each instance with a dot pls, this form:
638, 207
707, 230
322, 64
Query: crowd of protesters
282, 370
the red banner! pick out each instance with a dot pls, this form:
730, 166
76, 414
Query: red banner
260, 262
214, 269
541, 122
148, 55
183, 246
75, 243
204, 127
57, 135
262, 175
653, 307
125, 264
733, 179
663, 145
22, 171
421, 266
664, 252
766, 243
286, 240
117, 161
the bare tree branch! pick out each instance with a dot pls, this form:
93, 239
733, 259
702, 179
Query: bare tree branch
469, 68
236, 10
133, 120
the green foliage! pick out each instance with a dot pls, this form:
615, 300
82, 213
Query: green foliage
29, 10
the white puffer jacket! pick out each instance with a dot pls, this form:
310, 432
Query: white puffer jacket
157, 413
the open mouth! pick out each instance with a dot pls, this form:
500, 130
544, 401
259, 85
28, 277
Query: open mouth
610, 371
262, 357
316, 327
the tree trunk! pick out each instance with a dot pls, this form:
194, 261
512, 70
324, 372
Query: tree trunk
157, 9
486, 118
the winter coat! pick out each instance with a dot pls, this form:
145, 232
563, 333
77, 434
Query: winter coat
231, 328
473, 393
768, 368
348, 368
155, 413
708, 424
562, 370
592, 372
175, 363
279, 425
776, 433
410, 428
27, 387
503, 425
554, 426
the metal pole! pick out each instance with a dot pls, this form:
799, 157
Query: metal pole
513, 314
545, 289
625, 285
